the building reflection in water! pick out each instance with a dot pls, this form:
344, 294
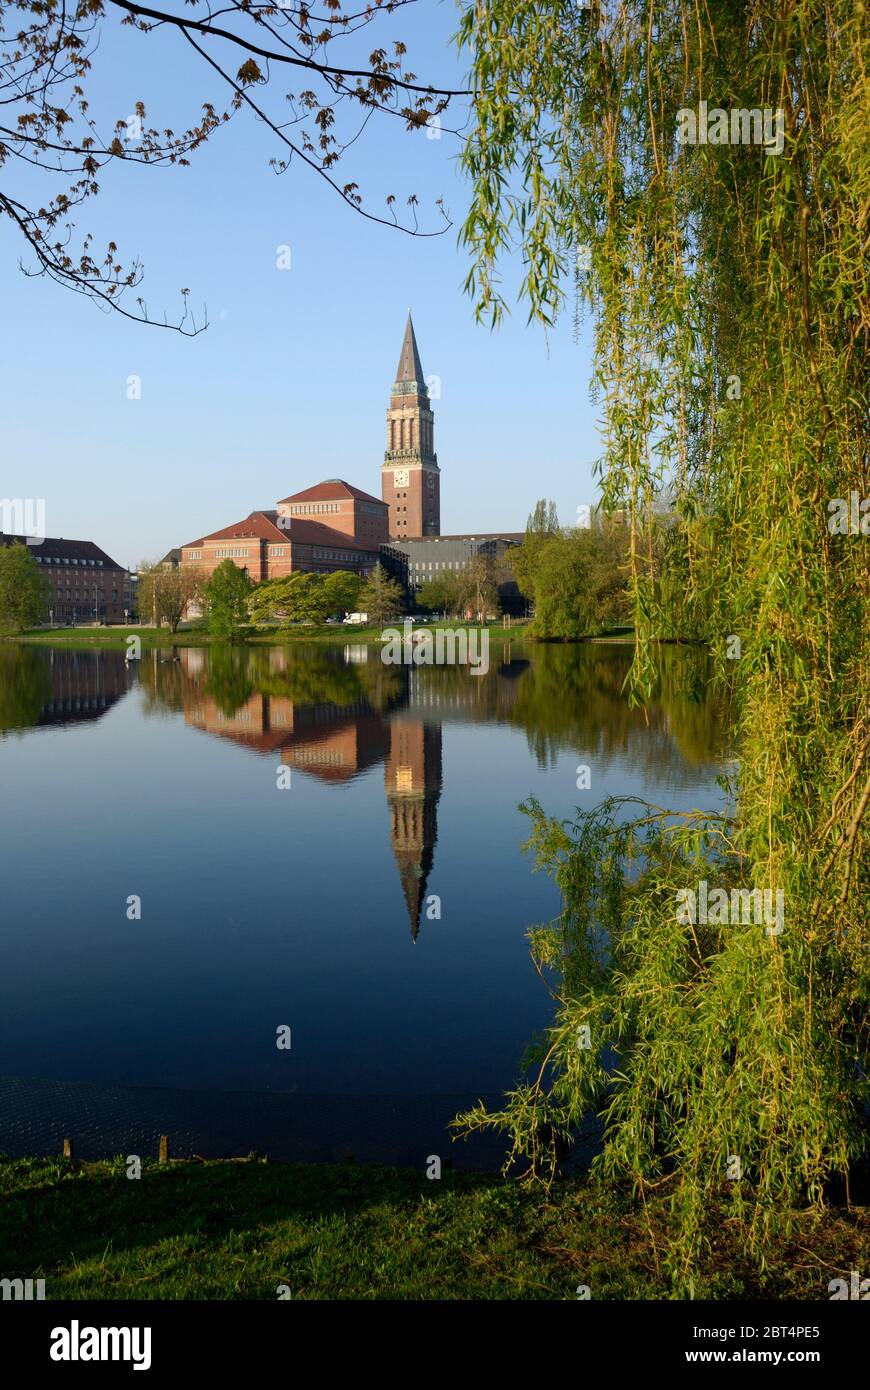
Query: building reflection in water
42, 688
337, 739
333, 716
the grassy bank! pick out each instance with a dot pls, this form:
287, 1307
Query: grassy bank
330, 635
239, 1229
115, 638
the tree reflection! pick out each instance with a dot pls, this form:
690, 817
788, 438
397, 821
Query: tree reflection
25, 687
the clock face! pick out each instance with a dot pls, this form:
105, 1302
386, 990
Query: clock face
400, 477
430, 480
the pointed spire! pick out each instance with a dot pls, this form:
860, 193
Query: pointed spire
413, 876
410, 368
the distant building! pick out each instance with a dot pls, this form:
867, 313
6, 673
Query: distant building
415, 562
334, 525
87, 585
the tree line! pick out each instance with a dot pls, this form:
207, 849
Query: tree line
574, 580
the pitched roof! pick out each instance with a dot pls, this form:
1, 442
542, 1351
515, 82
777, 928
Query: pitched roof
315, 533
332, 490
58, 548
264, 526
257, 526
410, 367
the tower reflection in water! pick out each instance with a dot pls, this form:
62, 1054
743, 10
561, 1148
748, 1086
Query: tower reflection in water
365, 715
332, 716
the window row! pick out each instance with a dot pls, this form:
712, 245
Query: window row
56, 560
302, 508
351, 555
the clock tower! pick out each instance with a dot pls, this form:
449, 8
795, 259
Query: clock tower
410, 478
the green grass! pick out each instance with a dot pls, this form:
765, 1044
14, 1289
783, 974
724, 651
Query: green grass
239, 1229
115, 638
112, 637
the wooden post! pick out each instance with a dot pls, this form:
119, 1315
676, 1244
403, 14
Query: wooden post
163, 1151
68, 1149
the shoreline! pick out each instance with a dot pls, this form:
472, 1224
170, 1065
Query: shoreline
115, 638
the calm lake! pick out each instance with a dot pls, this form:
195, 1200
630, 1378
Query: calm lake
319, 842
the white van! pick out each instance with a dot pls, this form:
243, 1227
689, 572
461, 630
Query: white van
356, 618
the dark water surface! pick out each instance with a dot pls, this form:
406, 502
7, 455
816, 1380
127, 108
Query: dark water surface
314, 906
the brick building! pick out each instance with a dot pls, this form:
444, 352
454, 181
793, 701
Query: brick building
332, 526
86, 584
341, 507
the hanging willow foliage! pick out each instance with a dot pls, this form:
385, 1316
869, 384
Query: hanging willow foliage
728, 286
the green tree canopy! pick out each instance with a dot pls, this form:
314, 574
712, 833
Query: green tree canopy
25, 686
381, 597
304, 597
577, 581
441, 594
24, 591
226, 600
342, 590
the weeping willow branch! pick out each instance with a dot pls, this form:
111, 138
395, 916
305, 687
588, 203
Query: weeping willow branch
727, 285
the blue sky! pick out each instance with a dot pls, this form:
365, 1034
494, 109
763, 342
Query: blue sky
290, 383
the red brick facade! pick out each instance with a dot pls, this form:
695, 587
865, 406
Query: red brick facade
85, 584
342, 507
270, 545
410, 477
